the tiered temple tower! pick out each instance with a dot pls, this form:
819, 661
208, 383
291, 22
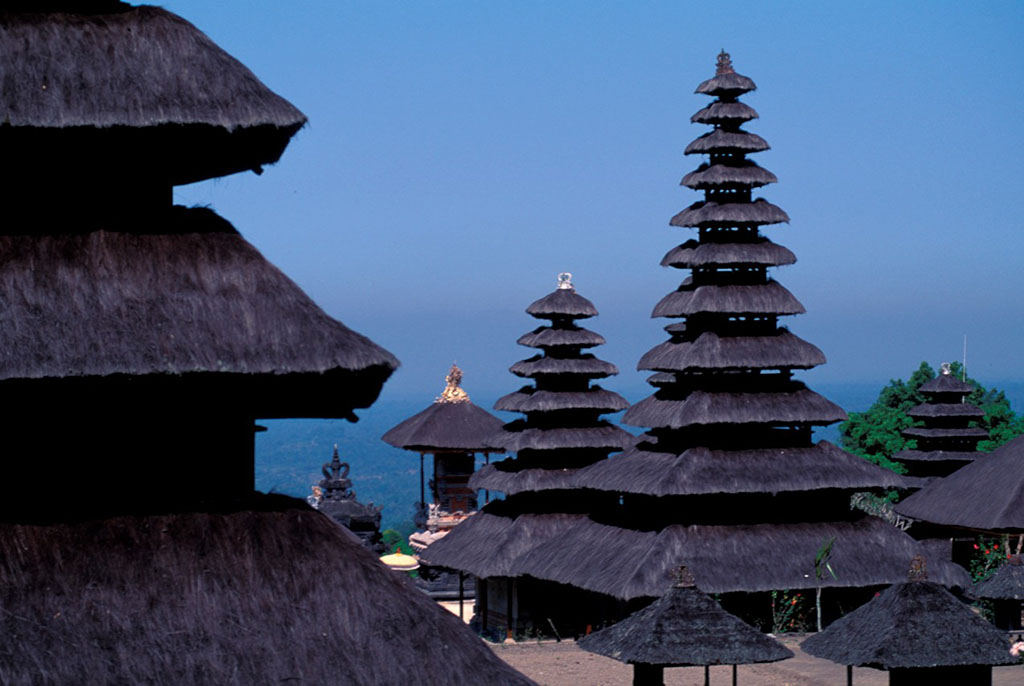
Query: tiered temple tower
561, 433
945, 443
335, 498
727, 479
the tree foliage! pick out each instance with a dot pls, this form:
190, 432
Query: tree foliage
875, 433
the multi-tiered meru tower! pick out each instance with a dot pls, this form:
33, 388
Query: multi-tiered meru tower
727, 480
562, 432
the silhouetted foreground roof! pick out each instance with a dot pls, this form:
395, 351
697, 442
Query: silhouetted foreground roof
448, 426
1006, 584
684, 627
277, 595
987, 494
758, 557
912, 624
185, 295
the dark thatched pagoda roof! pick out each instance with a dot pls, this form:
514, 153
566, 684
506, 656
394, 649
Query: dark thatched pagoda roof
765, 298
912, 624
782, 350
529, 399
452, 422
726, 83
946, 383
626, 563
499, 477
724, 112
711, 213
797, 406
922, 432
694, 254
720, 140
273, 593
137, 84
546, 337
599, 435
562, 302
986, 495
945, 410
1007, 583
684, 628
179, 295
937, 456
579, 365
704, 471
747, 174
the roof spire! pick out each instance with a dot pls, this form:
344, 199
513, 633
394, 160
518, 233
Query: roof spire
946, 369
724, 64
452, 392
565, 281
918, 569
683, 577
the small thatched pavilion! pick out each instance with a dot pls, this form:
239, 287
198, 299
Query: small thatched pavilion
562, 433
727, 479
683, 628
1005, 588
140, 341
920, 633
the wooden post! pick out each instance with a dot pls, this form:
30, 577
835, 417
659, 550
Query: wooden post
707, 675
511, 621
734, 675
487, 493
648, 675
849, 675
481, 595
423, 496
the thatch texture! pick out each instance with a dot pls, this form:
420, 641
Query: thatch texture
946, 383
703, 471
800, 406
562, 302
720, 140
627, 564
487, 545
579, 365
729, 84
683, 628
695, 254
575, 337
747, 174
273, 594
185, 295
711, 351
135, 70
922, 432
931, 410
448, 426
529, 399
937, 456
709, 213
493, 478
766, 298
1007, 583
600, 435
720, 112
987, 494
911, 624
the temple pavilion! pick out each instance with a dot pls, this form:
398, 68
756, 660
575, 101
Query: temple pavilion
562, 432
140, 341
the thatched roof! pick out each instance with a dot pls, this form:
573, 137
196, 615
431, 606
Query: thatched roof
695, 254
720, 112
930, 410
683, 628
766, 298
529, 399
746, 173
937, 456
799, 406
571, 337
627, 564
562, 302
271, 594
601, 434
720, 140
987, 494
1007, 583
921, 432
136, 84
177, 295
509, 479
580, 365
726, 83
702, 471
708, 213
946, 383
487, 545
448, 426
711, 351
911, 624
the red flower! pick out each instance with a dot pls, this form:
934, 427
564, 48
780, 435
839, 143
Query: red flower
793, 602
975, 546
987, 552
996, 546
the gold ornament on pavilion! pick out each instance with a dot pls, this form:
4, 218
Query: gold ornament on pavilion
453, 392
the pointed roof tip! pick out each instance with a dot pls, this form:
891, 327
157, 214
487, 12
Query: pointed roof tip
918, 569
565, 281
684, 577
723, 64
453, 392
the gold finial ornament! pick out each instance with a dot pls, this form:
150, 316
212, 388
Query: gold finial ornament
453, 392
918, 569
565, 282
683, 577
724, 64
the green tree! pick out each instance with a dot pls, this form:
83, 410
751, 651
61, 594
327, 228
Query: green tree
875, 433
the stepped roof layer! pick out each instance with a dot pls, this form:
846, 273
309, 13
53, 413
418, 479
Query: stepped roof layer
225, 597
986, 495
1007, 583
683, 628
178, 294
911, 624
108, 77
452, 422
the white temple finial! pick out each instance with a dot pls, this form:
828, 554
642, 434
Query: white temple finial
565, 281
946, 368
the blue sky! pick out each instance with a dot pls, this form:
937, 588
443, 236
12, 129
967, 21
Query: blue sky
460, 154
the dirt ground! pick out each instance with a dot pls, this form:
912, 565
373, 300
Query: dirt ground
563, 664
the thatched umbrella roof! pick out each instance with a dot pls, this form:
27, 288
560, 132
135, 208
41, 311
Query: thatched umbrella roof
724, 112
170, 101
765, 298
268, 593
721, 140
946, 383
911, 624
1007, 583
529, 399
562, 302
682, 628
726, 83
945, 410
712, 351
509, 478
709, 213
986, 495
759, 251
571, 337
746, 173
